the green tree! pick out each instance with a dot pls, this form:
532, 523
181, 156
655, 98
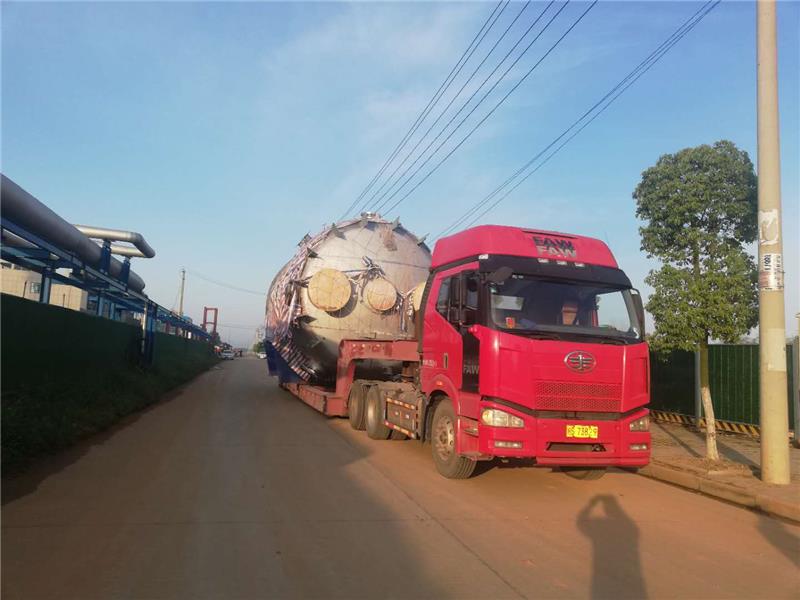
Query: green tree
258, 346
699, 209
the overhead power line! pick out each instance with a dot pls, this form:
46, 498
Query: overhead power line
404, 177
225, 285
489, 114
466, 82
465, 56
595, 111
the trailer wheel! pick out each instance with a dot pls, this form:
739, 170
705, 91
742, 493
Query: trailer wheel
443, 444
587, 474
374, 415
355, 405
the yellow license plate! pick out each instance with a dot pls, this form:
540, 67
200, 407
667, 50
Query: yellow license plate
582, 431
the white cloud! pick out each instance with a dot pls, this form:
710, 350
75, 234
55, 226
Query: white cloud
397, 36
376, 65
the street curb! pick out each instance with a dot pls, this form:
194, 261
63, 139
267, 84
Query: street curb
723, 491
781, 508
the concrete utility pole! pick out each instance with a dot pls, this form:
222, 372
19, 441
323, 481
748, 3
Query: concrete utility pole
183, 283
771, 319
796, 382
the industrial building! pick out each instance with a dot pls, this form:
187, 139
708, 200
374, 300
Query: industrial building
18, 281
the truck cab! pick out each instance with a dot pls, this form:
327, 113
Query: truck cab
532, 346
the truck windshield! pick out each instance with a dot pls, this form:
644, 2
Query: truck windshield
563, 309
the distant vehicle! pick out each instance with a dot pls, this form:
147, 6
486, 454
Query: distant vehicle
227, 355
262, 355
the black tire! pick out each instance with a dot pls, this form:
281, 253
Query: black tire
398, 435
374, 415
584, 473
443, 444
355, 406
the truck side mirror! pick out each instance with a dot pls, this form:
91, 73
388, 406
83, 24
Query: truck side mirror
639, 308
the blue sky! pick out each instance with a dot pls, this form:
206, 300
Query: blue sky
224, 132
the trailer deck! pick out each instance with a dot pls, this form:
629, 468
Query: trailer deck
333, 402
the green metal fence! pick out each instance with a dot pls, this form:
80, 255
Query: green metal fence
672, 382
734, 379
733, 371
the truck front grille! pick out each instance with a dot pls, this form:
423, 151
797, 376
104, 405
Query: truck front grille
569, 395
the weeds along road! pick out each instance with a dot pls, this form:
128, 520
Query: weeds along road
232, 488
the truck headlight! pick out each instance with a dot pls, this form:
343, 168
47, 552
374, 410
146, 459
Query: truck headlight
500, 418
640, 424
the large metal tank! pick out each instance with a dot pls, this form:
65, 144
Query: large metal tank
354, 279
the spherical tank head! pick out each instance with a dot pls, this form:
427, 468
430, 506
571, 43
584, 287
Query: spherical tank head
352, 280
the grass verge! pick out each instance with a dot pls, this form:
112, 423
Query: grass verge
42, 418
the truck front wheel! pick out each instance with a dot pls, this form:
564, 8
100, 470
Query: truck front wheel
375, 414
443, 444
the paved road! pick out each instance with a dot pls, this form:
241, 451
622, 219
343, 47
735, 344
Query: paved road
234, 489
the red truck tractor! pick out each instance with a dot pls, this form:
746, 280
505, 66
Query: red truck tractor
529, 345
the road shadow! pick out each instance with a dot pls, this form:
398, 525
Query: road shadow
781, 537
616, 565
484, 466
233, 490
27, 478
727, 451
678, 440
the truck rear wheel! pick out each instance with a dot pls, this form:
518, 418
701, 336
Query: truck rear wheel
586, 473
443, 444
375, 414
355, 405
